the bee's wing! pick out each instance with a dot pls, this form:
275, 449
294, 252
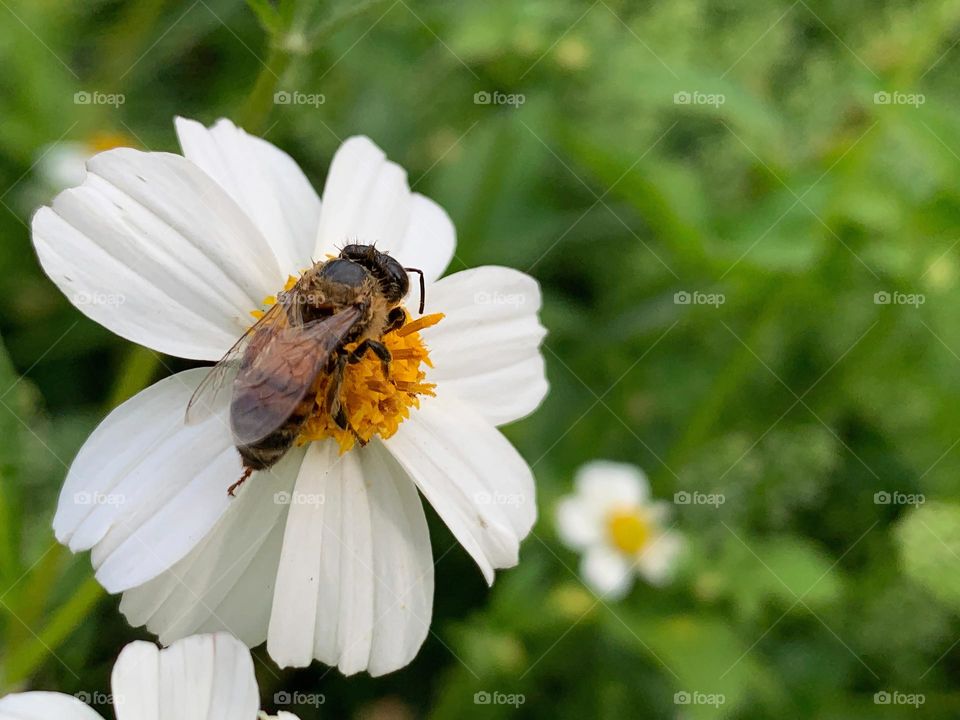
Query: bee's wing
271, 383
209, 394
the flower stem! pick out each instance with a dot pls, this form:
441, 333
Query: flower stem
23, 661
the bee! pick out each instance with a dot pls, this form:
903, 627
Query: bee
281, 362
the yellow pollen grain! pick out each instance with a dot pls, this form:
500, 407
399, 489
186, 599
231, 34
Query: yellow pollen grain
629, 530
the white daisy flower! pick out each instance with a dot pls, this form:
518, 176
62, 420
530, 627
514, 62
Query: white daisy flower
611, 519
326, 555
202, 677
63, 164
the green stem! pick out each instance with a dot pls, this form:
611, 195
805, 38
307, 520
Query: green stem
23, 661
28, 598
259, 104
332, 24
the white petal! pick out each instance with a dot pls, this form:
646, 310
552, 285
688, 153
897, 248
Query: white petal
44, 706
608, 572
367, 200
487, 348
202, 677
578, 523
657, 561
607, 485
471, 474
157, 252
428, 243
227, 581
146, 488
355, 585
265, 181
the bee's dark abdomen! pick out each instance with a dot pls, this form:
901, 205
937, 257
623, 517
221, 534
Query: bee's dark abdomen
267, 452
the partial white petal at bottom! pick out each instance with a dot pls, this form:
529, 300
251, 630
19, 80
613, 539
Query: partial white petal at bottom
203, 677
44, 706
355, 584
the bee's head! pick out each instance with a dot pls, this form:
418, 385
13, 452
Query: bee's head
389, 273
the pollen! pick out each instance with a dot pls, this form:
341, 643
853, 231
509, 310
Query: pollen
375, 404
629, 531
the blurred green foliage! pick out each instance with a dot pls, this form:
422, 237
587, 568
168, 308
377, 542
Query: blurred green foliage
784, 183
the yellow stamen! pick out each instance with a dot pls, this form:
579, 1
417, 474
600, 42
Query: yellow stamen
629, 530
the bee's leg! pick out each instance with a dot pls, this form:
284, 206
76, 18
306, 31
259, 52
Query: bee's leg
247, 470
334, 402
333, 392
395, 319
378, 349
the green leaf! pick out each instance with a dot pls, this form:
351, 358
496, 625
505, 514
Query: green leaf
711, 668
754, 572
929, 544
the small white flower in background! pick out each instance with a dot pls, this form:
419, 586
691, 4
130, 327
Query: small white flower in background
63, 164
325, 556
202, 677
619, 530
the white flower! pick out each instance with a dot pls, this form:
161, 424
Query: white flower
202, 677
325, 556
620, 531
63, 164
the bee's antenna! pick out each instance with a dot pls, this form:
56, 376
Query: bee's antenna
422, 286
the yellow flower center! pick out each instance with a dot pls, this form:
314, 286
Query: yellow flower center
374, 404
629, 530
108, 140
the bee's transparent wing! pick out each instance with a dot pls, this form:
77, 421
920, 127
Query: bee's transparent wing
274, 380
213, 391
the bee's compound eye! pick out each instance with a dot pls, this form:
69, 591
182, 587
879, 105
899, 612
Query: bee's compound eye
394, 280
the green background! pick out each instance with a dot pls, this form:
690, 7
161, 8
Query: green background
795, 192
